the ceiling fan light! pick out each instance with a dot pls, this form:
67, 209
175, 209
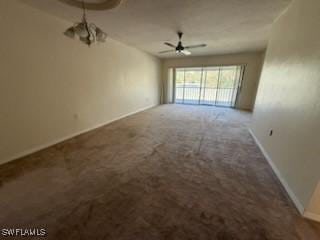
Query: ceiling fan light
70, 33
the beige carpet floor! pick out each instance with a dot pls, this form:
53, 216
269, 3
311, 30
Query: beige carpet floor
173, 172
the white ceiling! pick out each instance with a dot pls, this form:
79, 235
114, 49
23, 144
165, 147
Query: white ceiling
226, 26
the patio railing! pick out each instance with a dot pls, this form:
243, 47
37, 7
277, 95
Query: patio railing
206, 96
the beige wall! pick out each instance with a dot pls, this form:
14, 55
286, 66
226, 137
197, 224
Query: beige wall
52, 87
288, 99
253, 62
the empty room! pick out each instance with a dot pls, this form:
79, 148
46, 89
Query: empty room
160, 120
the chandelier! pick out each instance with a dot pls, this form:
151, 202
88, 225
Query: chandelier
88, 33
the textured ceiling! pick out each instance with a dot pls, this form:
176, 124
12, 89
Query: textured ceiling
93, 4
226, 26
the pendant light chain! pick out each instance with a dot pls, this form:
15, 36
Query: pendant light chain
84, 9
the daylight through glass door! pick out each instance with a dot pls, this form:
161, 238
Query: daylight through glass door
216, 86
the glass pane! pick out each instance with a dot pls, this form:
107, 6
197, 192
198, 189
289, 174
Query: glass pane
226, 86
192, 85
210, 84
179, 85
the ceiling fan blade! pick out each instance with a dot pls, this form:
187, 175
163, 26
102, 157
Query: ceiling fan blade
170, 44
196, 46
168, 51
186, 52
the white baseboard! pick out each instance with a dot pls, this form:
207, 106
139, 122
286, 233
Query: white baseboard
312, 216
56, 141
293, 197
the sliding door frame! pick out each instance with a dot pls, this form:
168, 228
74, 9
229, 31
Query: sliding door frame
241, 77
239, 88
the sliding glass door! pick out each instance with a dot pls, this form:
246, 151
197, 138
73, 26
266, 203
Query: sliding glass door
208, 85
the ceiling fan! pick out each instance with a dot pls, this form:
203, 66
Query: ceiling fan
180, 48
